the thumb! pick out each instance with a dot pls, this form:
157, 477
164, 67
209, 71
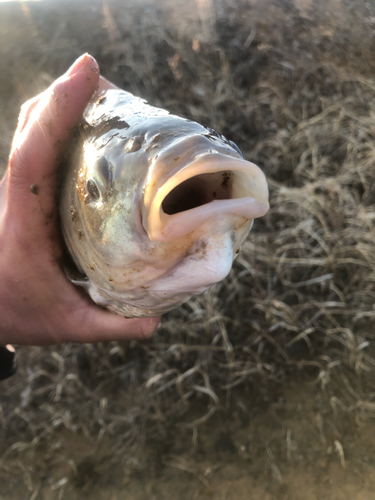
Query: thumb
45, 127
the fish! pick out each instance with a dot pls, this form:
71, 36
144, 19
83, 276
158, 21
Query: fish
154, 207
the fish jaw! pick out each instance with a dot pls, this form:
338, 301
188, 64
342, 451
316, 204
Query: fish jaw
207, 261
212, 185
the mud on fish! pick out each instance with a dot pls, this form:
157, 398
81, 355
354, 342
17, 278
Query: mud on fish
154, 207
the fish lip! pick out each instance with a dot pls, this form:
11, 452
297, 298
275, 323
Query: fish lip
180, 224
163, 227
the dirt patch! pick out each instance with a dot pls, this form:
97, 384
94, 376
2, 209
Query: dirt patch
295, 447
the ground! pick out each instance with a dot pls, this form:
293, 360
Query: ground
262, 388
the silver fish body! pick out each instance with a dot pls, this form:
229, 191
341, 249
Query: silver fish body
154, 207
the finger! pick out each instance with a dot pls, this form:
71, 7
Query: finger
23, 119
99, 325
26, 110
37, 149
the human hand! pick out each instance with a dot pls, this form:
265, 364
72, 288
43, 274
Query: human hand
38, 305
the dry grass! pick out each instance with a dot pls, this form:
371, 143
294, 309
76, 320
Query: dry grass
298, 98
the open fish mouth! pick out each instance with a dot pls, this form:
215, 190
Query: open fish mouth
213, 184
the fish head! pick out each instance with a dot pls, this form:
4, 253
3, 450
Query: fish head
158, 208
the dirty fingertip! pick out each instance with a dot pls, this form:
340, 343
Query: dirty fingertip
86, 61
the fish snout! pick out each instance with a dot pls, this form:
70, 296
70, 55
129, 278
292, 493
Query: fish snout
212, 185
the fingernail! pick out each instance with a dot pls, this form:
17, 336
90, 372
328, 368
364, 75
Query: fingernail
80, 63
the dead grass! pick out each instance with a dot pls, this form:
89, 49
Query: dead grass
295, 89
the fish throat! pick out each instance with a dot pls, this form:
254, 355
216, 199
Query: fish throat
197, 191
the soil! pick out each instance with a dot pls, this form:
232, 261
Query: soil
292, 448
263, 388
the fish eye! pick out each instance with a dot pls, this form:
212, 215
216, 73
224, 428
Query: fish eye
93, 189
